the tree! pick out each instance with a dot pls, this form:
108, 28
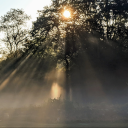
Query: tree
13, 26
71, 37
64, 33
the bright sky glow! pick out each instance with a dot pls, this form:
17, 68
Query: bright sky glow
67, 14
29, 6
35, 5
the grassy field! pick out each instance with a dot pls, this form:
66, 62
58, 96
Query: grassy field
63, 114
77, 125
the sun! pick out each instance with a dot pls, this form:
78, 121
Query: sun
66, 14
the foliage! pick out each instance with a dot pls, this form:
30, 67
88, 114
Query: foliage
95, 32
13, 26
89, 19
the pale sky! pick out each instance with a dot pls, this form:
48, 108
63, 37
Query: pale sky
29, 6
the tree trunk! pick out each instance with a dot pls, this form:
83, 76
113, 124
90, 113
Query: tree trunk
67, 85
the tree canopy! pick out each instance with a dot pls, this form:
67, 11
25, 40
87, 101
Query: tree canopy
13, 26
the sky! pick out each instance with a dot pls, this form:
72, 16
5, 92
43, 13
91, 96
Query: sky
29, 6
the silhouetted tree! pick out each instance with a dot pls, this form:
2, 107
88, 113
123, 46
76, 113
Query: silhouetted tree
62, 31
13, 26
70, 38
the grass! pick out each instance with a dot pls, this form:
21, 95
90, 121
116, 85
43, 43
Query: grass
64, 125
70, 116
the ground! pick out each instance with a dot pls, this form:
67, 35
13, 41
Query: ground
57, 125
